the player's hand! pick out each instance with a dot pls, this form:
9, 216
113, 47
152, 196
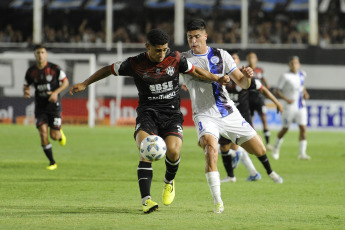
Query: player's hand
306, 96
224, 80
247, 72
77, 88
53, 96
184, 87
27, 94
289, 101
279, 108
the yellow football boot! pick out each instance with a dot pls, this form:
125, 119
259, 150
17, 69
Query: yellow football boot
52, 167
150, 206
63, 139
169, 193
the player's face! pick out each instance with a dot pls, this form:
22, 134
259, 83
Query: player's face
236, 59
197, 41
157, 53
294, 65
252, 59
41, 55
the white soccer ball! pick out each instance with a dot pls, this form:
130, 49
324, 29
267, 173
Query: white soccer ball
153, 148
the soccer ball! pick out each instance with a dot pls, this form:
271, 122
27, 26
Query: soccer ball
153, 148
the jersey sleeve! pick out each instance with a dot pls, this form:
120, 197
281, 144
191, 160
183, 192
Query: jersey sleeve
122, 68
27, 79
229, 62
62, 76
255, 84
281, 82
185, 65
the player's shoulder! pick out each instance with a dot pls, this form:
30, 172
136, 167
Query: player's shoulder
302, 72
259, 69
187, 54
52, 65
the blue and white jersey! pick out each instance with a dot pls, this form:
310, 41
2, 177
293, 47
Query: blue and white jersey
292, 86
209, 98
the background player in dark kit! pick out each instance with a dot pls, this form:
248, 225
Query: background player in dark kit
49, 81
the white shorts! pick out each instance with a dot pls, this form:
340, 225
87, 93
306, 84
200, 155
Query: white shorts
294, 115
233, 127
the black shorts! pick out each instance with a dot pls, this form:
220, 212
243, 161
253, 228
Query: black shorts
53, 119
257, 103
160, 123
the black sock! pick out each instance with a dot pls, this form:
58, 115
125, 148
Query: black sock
227, 162
144, 178
171, 169
49, 153
265, 162
267, 135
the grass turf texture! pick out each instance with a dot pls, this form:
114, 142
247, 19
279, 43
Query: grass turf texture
95, 185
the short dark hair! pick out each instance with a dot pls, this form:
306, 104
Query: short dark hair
233, 52
293, 57
196, 24
39, 46
157, 37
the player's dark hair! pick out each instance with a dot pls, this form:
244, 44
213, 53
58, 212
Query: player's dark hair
293, 57
157, 37
196, 24
39, 46
233, 52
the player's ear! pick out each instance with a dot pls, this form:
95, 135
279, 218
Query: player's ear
206, 36
147, 45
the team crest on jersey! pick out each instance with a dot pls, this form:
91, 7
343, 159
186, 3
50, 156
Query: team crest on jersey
214, 60
49, 78
170, 70
145, 75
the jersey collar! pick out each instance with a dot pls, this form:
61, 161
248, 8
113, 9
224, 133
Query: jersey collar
198, 55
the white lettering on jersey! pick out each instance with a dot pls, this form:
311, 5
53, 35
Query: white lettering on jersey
161, 88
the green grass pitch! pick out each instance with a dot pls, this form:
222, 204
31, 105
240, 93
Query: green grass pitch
95, 186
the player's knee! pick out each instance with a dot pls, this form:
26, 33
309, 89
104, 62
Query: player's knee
224, 148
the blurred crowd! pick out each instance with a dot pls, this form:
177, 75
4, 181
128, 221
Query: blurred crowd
280, 29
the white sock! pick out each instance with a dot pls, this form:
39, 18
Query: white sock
302, 147
232, 152
144, 199
247, 162
278, 143
213, 180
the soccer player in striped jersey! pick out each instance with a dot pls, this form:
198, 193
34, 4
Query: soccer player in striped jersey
214, 114
49, 81
156, 76
293, 92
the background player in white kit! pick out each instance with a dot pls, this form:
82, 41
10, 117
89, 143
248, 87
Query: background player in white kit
293, 92
214, 114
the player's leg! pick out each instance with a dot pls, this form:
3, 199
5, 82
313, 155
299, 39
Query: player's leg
266, 130
56, 132
287, 117
172, 162
209, 144
145, 174
42, 126
301, 120
256, 147
224, 149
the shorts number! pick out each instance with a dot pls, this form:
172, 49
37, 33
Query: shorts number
57, 122
200, 126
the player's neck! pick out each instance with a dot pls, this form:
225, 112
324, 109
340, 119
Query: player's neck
202, 51
253, 66
41, 65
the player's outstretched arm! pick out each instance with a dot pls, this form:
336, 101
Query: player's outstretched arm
205, 75
242, 78
306, 94
26, 90
270, 96
98, 75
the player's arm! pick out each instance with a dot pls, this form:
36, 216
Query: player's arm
242, 77
281, 95
54, 94
305, 94
270, 96
265, 83
98, 75
200, 73
26, 90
